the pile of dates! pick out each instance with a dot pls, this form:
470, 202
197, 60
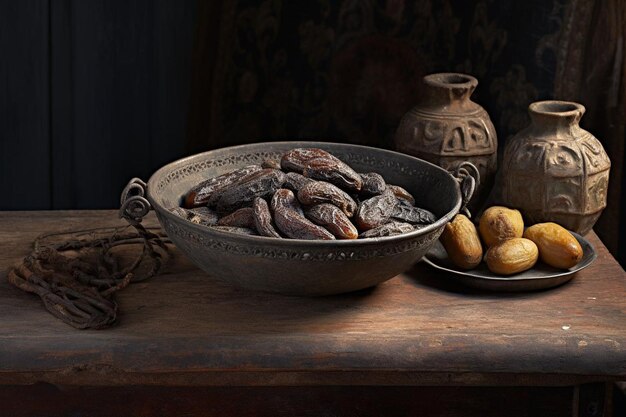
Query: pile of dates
511, 248
310, 194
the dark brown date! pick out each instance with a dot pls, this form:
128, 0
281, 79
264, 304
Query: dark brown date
295, 159
373, 184
237, 230
262, 217
282, 198
333, 171
295, 181
333, 219
217, 195
204, 217
401, 193
317, 192
376, 211
388, 229
261, 183
290, 221
243, 217
408, 213
330, 191
200, 194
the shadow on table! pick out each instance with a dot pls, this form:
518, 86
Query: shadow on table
422, 275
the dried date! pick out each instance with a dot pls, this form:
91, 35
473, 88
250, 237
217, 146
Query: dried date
408, 213
290, 220
376, 211
261, 183
204, 217
243, 217
333, 219
296, 159
388, 229
333, 171
282, 198
262, 217
330, 190
295, 181
401, 193
181, 212
373, 184
317, 192
201, 193
214, 199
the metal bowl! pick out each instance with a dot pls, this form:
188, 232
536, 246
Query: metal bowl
294, 266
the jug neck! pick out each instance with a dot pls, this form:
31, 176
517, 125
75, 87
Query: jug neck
450, 90
557, 119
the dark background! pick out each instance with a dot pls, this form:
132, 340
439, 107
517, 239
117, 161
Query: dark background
91, 94
94, 92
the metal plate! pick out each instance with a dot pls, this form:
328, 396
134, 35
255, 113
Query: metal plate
541, 276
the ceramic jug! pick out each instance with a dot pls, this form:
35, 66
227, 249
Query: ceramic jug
448, 128
554, 170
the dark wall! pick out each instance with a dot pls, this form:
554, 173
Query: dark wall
92, 92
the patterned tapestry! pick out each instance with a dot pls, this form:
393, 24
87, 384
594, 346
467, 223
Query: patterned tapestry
347, 70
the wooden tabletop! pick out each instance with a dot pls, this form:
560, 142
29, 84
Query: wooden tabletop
185, 327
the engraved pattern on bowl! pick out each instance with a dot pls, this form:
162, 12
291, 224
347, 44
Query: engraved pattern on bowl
294, 266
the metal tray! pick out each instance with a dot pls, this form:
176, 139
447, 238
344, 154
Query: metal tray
541, 276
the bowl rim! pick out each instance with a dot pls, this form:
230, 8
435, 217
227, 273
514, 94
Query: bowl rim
338, 243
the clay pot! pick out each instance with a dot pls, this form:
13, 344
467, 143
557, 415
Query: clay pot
448, 128
555, 171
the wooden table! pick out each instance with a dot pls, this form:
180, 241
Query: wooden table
417, 344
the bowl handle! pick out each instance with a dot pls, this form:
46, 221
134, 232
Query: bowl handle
133, 203
468, 177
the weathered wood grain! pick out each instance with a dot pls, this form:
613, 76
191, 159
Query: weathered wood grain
186, 328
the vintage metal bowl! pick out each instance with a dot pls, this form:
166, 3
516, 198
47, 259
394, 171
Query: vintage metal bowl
293, 266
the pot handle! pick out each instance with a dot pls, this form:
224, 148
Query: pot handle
133, 203
468, 177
